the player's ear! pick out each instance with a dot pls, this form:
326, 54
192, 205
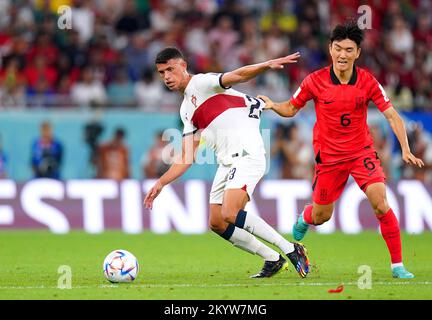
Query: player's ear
358, 52
330, 46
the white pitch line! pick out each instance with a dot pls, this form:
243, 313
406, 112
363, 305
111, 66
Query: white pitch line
188, 285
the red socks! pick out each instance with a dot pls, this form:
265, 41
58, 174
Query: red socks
307, 214
389, 229
391, 234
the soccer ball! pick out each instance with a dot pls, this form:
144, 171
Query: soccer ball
120, 266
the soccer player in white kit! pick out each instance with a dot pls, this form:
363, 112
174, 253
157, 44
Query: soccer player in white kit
228, 121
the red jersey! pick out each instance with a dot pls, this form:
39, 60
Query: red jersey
341, 131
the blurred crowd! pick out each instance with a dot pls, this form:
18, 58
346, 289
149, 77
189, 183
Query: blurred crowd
106, 58
290, 153
108, 159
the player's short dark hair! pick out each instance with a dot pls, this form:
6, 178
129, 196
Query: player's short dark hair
120, 133
168, 54
349, 30
45, 124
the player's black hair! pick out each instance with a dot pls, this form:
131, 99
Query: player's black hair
120, 133
167, 54
45, 124
349, 30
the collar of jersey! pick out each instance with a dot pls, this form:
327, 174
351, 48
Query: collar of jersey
336, 81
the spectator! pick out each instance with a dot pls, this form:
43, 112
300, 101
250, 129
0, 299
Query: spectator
66, 69
418, 144
113, 34
225, 38
148, 92
121, 91
12, 85
401, 96
196, 43
11, 76
41, 95
152, 163
92, 133
293, 156
423, 94
401, 37
279, 151
110, 9
109, 54
299, 154
16, 46
101, 71
113, 162
62, 98
279, 16
75, 49
46, 154
161, 17
83, 19
12, 97
40, 70
383, 148
88, 92
45, 47
423, 32
136, 56
131, 20
276, 44
4, 13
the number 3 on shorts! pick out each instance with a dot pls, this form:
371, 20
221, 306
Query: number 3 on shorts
231, 173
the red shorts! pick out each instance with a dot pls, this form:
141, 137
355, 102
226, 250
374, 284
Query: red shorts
330, 179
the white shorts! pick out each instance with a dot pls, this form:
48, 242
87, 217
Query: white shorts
244, 173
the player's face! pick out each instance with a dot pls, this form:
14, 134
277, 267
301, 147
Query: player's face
344, 53
46, 132
173, 74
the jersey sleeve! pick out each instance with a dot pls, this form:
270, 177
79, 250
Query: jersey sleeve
188, 127
379, 96
303, 94
210, 82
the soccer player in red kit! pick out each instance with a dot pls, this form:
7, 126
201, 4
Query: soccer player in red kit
342, 143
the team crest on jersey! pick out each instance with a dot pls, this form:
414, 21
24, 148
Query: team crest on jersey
194, 101
359, 103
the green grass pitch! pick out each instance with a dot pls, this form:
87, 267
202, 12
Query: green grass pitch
191, 267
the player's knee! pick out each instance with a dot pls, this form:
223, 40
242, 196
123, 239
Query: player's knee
229, 214
381, 206
217, 226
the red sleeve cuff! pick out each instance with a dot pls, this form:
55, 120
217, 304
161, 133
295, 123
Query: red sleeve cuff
295, 103
387, 106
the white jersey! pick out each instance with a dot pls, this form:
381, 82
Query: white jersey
228, 119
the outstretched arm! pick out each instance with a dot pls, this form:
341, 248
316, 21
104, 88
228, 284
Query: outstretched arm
190, 145
284, 109
246, 73
398, 127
